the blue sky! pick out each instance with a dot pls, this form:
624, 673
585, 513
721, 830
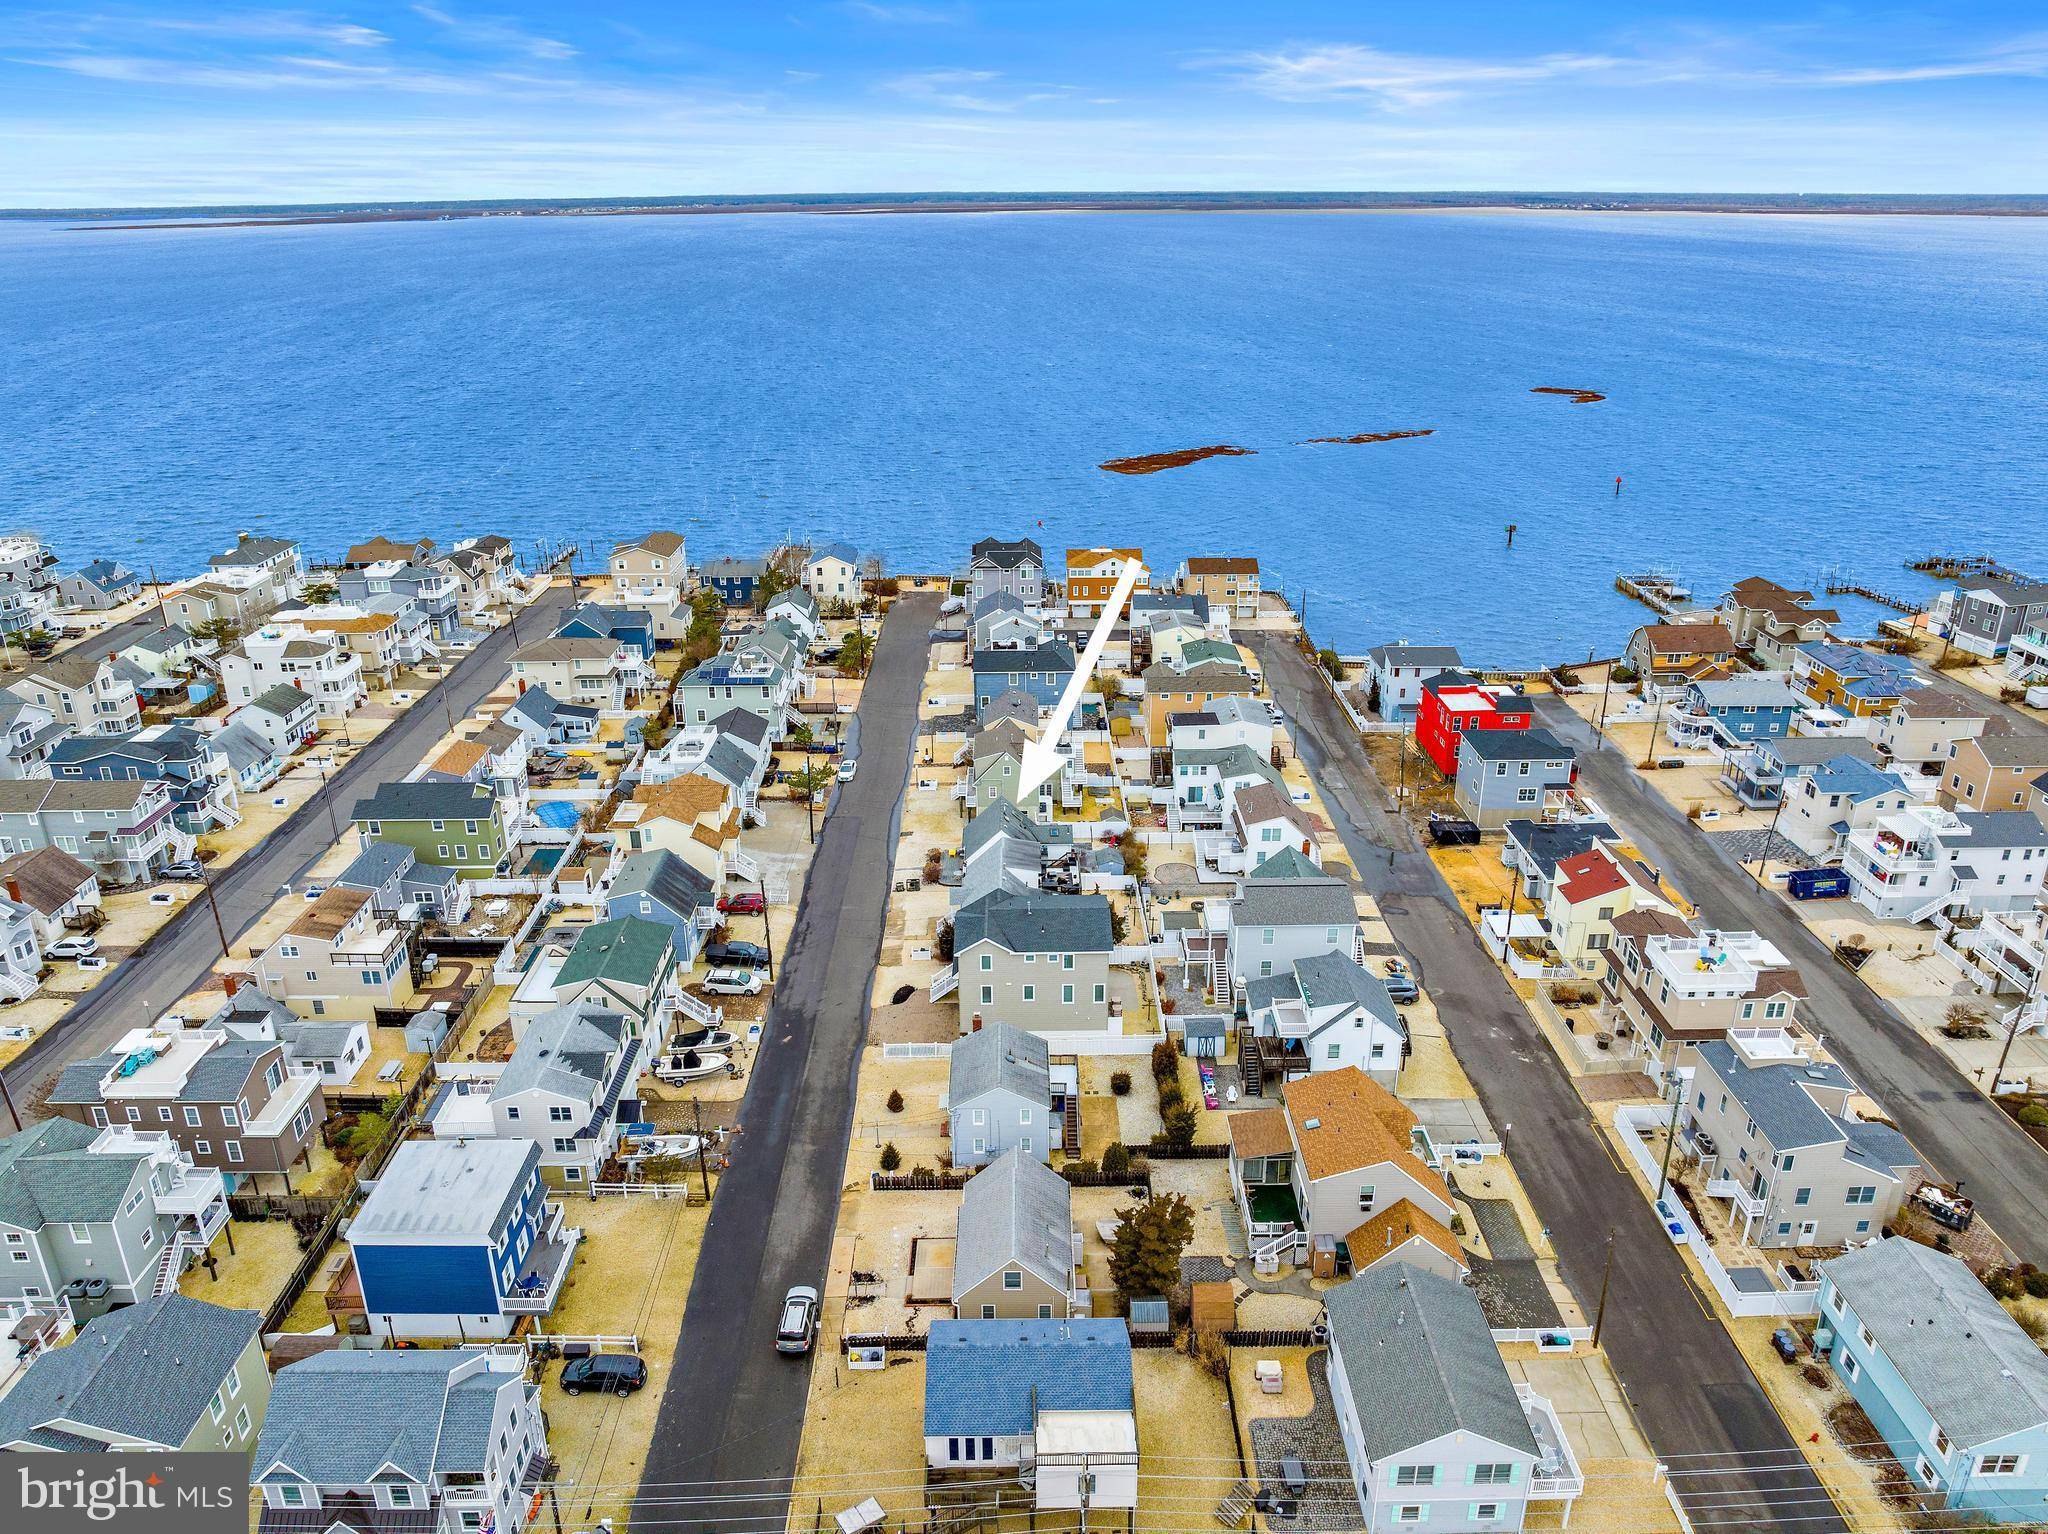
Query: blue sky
177, 102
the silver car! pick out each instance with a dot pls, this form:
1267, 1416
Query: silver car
798, 1328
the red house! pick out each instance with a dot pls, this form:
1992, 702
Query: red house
1453, 703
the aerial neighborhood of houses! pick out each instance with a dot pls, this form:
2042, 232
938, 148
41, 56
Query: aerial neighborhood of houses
1181, 1108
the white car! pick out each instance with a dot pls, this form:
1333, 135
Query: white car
733, 982
73, 947
846, 769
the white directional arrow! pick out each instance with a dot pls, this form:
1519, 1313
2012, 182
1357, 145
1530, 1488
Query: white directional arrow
1042, 756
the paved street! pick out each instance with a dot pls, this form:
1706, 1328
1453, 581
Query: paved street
1693, 1393
732, 1408
179, 955
1950, 1123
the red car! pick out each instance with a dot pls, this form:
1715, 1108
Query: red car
743, 905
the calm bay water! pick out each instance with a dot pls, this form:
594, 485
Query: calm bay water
1785, 395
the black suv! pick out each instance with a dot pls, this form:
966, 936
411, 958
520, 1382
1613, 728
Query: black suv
618, 1374
736, 955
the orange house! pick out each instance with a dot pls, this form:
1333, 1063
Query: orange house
1091, 578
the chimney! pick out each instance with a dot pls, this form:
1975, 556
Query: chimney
233, 984
14, 890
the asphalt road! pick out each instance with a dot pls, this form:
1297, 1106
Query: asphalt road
1694, 1395
177, 958
1953, 1126
732, 1408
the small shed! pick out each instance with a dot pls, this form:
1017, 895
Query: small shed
1204, 1035
425, 1030
1214, 1306
1150, 1317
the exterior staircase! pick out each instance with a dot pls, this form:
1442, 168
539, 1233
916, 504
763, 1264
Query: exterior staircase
742, 865
1251, 1074
698, 1010
945, 983
1230, 1512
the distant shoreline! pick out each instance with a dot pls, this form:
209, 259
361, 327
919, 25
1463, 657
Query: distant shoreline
252, 216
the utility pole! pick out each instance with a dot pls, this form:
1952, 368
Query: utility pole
7, 1095
1771, 835
332, 824
2012, 1030
219, 926
1507, 933
697, 1124
1656, 718
1600, 724
1606, 1273
1670, 1137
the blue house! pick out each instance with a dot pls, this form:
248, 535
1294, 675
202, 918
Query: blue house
990, 1385
657, 886
1956, 1389
733, 579
459, 1239
97, 586
201, 779
1040, 672
1740, 710
632, 626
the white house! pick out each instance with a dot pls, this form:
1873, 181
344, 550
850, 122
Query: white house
1438, 1435
1324, 1013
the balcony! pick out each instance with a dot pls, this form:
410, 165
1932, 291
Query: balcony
1557, 1477
193, 1193
538, 1283
1745, 1202
292, 1094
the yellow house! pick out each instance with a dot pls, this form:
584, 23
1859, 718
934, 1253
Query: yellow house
1590, 890
693, 817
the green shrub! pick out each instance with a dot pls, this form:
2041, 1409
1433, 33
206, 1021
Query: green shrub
1116, 1159
892, 1158
1165, 1058
2034, 1116
1120, 1083
895, 1102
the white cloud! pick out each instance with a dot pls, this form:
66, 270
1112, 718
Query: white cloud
902, 15
950, 88
1397, 80
495, 34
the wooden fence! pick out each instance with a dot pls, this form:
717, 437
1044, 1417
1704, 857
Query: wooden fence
1138, 1176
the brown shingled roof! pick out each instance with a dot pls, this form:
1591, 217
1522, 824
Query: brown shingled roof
1393, 1228
1260, 1132
1343, 1120
1694, 638
1217, 564
688, 798
48, 878
325, 917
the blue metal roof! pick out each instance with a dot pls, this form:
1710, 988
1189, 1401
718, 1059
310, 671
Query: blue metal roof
984, 1377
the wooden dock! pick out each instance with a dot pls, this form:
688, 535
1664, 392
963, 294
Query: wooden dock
1950, 567
1659, 592
1897, 604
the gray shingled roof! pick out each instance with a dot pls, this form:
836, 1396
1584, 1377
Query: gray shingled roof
48, 1177
1015, 1210
283, 700
338, 1418
1287, 863
750, 727
998, 1058
1776, 1098
565, 1051
1967, 1361
1033, 923
1548, 843
661, 875
2002, 828
145, 1371
1533, 745
1416, 1346
1320, 902
427, 799
1002, 818
1442, 657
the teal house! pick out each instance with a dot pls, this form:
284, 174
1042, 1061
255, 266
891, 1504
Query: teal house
1956, 1389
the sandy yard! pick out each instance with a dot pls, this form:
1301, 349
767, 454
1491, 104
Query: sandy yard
918, 1131
254, 1273
1431, 1069
631, 1278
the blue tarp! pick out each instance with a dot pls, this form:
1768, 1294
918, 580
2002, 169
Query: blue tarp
559, 813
